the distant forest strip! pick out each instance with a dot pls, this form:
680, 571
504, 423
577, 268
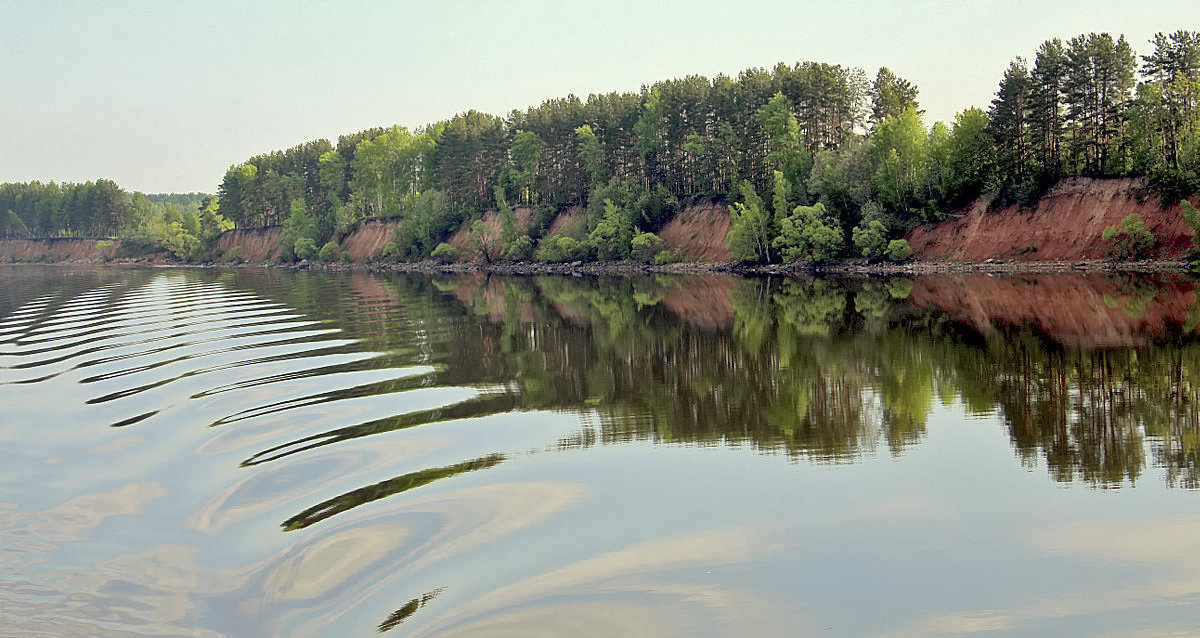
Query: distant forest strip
816, 162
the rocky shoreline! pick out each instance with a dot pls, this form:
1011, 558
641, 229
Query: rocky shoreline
619, 268
627, 268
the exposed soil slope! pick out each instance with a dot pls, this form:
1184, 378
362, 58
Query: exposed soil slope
258, 244
365, 242
1088, 311
569, 222
60, 249
1066, 224
461, 239
699, 232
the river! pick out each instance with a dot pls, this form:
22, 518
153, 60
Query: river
257, 452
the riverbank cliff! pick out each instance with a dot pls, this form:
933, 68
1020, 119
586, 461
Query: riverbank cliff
1062, 231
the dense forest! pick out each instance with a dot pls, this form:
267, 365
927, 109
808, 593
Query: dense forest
183, 224
816, 161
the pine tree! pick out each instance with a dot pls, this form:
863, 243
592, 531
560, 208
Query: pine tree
1008, 124
1171, 71
890, 95
1046, 110
1099, 80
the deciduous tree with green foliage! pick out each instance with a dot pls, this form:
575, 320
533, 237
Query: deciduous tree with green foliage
870, 239
300, 234
898, 156
787, 154
484, 240
808, 234
751, 229
611, 237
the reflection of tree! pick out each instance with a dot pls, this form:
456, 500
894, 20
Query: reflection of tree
1087, 413
808, 307
650, 377
362, 495
817, 368
1170, 409
409, 608
752, 315
1075, 408
479, 406
1131, 294
904, 379
802, 373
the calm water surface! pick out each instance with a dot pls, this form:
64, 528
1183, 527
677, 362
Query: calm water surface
256, 453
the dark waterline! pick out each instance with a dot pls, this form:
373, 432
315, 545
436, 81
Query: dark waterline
248, 453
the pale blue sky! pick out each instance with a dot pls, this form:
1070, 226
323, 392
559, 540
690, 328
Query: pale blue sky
164, 96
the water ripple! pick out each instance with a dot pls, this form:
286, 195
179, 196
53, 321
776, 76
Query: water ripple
123, 341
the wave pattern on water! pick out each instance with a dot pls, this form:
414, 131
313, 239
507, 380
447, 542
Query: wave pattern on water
239, 377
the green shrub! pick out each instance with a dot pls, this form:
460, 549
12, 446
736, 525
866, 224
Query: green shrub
750, 227
671, 256
183, 245
870, 238
330, 252
1130, 240
809, 234
444, 253
1173, 184
304, 248
646, 246
390, 251
899, 250
1191, 215
560, 248
517, 249
233, 255
611, 237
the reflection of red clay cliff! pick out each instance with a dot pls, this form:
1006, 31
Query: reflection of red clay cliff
700, 301
371, 292
1066, 224
1085, 311
480, 292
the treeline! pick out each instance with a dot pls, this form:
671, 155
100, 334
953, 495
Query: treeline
185, 224
817, 160
641, 153
91, 209
1076, 112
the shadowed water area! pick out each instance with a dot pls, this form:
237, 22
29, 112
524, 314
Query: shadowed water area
263, 452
